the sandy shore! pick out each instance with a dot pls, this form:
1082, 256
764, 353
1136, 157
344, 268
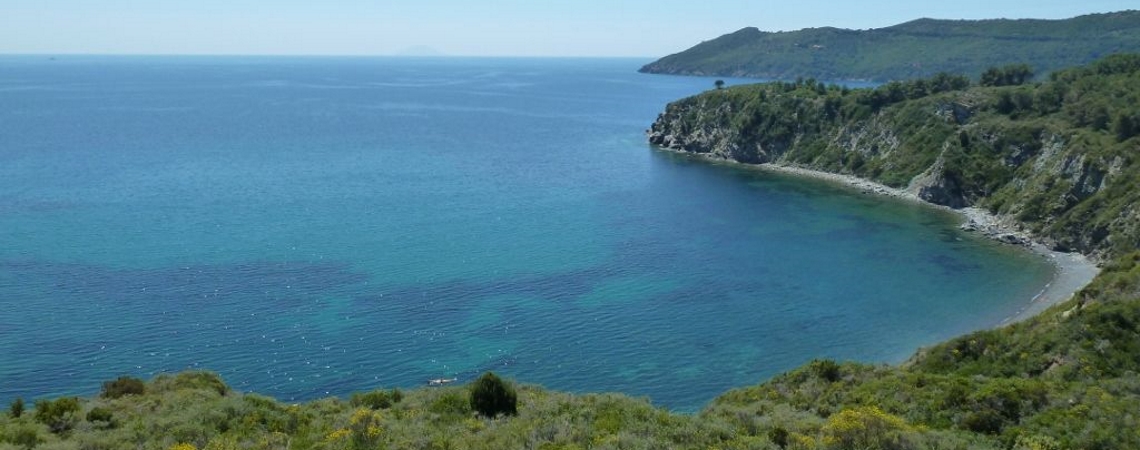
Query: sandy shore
1072, 271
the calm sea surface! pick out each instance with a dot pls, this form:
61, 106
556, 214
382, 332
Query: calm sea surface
313, 227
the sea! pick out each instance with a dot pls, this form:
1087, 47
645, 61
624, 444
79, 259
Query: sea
316, 226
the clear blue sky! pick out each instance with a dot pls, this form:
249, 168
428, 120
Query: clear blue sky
458, 27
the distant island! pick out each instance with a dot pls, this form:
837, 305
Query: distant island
915, 49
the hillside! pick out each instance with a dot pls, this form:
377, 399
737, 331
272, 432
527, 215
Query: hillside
916, 49
1058, 156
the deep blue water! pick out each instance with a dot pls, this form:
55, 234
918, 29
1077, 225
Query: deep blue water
317, 226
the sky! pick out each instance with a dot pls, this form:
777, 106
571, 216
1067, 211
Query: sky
638, 28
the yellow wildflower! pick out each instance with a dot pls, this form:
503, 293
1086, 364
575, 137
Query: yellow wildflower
338, 435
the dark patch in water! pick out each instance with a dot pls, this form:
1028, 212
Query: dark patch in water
951, 265
188, 285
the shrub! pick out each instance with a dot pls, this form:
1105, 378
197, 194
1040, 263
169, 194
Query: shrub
866, 427
17, 408
491, 396
198, 380
121, 386
377, 399
778, 436
25, 435
451, 403
985, 421
826, 369
1036, 443
58, 415
100, 414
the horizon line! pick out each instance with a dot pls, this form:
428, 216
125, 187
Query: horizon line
324, 55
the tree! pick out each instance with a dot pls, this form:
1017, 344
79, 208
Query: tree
1011, 75
1125, 126
491, 396
719, 84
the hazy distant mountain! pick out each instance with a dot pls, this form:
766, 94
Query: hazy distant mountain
914, 49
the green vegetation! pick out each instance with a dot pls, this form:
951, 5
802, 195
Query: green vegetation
59, 415
1049, 153
1059, 156
491, 397
16, 409
1065, 376
916, 49
123, 386
1013, 75
378, 399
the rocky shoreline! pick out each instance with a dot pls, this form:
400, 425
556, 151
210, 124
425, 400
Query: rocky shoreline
1072, 271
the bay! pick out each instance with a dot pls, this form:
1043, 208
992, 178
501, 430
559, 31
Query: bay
318, 226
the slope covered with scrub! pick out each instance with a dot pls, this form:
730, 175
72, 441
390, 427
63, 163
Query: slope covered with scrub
915, 49
1058, 157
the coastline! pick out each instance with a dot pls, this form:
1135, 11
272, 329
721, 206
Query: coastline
1071, 271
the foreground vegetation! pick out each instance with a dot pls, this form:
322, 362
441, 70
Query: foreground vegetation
1059, 155
916, 49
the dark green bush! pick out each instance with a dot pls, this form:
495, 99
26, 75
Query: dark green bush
826, 369
1011, 75
377, 399
491, 396
100, 414
778, 436
122, 386
58, 415
983, 421
17, 408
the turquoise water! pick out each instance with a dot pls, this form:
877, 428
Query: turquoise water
317, 226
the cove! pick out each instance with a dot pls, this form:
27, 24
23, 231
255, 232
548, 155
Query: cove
317, 226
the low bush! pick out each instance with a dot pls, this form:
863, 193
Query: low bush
122, 386
196, 380
378, 399
58, 415
100, 414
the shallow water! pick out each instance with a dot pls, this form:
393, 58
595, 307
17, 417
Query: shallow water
317, 226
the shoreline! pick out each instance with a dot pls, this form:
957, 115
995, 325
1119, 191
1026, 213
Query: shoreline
1071, 271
